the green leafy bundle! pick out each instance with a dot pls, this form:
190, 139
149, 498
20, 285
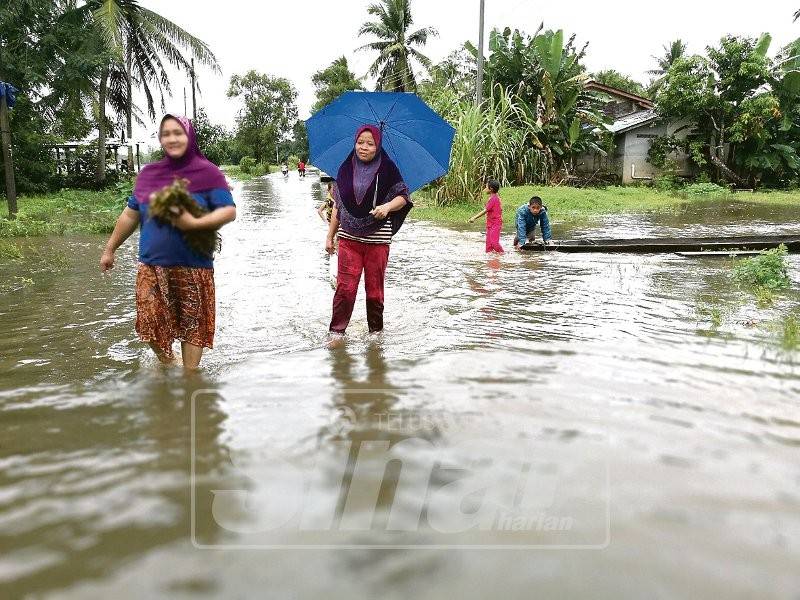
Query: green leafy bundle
169, 202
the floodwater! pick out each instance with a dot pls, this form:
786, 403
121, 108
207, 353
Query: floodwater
551, 425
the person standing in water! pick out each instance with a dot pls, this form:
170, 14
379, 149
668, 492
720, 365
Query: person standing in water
175, 296
301, 169
325, 210
494, 217
371, 201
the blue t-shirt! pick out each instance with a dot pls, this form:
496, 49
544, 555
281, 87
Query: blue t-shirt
162, 245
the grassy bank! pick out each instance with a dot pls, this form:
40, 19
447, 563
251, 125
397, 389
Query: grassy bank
235, 172
572, 204
76, 211
66, 212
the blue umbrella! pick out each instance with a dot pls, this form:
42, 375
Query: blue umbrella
416, 138
9, 91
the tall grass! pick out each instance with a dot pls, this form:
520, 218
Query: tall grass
67, 211
494, 141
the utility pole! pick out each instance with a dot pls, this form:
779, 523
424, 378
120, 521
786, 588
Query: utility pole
129, 111
479, 82
185, 112
5, 142
194, 101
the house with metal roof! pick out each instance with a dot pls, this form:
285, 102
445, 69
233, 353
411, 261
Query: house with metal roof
635, 125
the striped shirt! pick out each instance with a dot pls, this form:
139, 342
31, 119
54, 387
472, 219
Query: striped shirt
382, 236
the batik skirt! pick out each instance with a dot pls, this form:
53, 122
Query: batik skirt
175, 303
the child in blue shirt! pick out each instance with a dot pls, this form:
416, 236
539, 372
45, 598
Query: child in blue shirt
528, 216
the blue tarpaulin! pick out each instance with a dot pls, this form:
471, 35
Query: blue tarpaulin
9, 91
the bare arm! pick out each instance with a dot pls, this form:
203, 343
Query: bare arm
127, 223
213, 220
333, 227
478, 216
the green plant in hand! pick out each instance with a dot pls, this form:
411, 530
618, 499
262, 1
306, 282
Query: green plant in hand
170, 201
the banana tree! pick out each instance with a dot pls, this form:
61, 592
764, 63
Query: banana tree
546, 73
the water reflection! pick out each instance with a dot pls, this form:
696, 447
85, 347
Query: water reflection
582, 358
105, 480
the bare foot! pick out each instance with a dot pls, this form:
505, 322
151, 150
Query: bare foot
335, 340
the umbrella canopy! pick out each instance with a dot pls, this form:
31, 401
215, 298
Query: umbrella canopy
9, 91
416, 138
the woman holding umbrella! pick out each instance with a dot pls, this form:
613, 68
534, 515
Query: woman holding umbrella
371, 201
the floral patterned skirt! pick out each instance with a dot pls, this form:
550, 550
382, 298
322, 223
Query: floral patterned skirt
175, 303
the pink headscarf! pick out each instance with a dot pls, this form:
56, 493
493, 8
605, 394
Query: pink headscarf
201, 173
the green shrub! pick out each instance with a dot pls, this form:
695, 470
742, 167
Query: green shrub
767, 270
711, 313
667, 183
790, 334
9, 250
247, 164
706, 190
765, 297
23, 226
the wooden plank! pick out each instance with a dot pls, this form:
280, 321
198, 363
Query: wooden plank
719, 253
669, 245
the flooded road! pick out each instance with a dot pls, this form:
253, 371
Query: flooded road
526, 426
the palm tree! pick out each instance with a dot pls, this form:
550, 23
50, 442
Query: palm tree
137, 43
672, 52
395, 46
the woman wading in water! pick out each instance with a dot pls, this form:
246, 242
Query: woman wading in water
174, 284
371, 201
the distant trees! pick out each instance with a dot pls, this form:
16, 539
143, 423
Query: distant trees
268, 113
744, 106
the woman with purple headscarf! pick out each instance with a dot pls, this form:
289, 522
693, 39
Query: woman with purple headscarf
371, 201
174, 284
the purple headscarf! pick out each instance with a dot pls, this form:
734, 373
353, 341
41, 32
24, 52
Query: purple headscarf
364, 173
201, 173
357, 181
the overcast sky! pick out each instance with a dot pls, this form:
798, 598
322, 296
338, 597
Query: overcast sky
295, 39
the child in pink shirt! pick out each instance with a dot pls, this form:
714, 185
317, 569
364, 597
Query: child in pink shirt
494, 217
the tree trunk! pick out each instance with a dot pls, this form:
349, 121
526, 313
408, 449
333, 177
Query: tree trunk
726, 171
100, 174
8, 158
129, 115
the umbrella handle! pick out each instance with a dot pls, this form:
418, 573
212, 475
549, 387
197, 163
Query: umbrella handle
375, 197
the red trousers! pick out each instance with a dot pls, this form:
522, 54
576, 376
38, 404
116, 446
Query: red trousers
355, 257
493, 237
